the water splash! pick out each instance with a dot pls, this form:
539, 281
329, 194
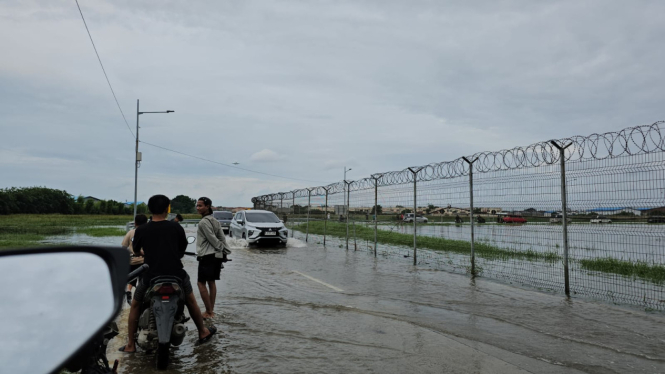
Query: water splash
295, 243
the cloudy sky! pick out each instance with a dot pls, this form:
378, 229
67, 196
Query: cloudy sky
300, 89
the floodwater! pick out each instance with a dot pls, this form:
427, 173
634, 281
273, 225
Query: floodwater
634, 242
628, 242
307, 308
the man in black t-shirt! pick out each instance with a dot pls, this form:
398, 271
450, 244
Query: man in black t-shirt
163, 243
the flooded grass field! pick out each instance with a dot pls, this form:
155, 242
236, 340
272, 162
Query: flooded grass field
622, 264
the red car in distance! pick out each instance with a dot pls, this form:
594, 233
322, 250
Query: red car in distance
513, 219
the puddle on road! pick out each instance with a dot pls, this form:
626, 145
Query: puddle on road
390, 318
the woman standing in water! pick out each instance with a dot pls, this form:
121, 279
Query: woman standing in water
211, 251
135, 261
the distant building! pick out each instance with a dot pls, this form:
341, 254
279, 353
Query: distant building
655, 211
614, 211
340, 209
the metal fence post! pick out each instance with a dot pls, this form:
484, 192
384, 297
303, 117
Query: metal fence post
473, 253
415, 172
355, 243
376, 178
293, 203
309, 203
564, 207
348, 203
325, 222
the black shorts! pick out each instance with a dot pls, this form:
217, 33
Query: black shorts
142, 288
210, 268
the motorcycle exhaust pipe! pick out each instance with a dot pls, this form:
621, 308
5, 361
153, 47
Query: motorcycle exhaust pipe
178, 334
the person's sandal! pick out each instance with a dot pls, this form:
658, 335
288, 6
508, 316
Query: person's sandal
212, 330
129, 297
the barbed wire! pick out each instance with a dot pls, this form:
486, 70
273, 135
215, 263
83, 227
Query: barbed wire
627, 142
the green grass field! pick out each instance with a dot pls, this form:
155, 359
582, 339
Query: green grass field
101, 231
483, 250
643, 270
26, 230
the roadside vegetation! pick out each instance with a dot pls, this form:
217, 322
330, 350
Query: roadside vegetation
483, 250
651, 272
27, 230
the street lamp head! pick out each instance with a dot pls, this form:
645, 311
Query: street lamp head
170, 111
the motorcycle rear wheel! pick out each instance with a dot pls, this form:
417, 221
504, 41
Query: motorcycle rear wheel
163, 356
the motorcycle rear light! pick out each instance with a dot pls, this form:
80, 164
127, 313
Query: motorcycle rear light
165, 297
166, 289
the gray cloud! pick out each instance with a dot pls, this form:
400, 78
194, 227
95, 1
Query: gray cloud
376, 85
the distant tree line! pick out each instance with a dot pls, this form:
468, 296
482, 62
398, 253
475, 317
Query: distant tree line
42, 200
183, 204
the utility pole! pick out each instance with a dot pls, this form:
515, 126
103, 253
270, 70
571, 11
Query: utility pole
137, 155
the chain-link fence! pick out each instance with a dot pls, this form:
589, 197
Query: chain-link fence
592, 222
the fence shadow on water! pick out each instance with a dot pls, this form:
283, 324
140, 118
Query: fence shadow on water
595, 218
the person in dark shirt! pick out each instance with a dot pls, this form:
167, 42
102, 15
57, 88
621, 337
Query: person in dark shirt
163, 243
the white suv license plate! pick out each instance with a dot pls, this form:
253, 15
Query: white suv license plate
270, 233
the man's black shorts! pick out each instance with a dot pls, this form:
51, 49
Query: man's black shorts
210, 268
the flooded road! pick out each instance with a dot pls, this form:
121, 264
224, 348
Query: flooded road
310, 309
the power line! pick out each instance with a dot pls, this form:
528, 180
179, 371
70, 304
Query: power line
223, 164
157, 146
104, 70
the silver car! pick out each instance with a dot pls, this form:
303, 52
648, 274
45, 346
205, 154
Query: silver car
258, 226
419, 218
224, 218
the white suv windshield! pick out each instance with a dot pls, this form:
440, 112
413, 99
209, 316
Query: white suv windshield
266, 217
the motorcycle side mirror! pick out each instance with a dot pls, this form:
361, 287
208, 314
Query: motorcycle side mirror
59, 301
191, 239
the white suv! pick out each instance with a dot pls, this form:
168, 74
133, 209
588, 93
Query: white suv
600, 219
258, 226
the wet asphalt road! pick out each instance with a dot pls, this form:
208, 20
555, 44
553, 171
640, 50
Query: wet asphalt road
310, 309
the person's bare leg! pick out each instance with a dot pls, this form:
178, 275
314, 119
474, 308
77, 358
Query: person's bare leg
195, 313
205, 296
132, 326
212, 286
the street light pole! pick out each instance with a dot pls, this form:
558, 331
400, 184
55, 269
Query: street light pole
137, 156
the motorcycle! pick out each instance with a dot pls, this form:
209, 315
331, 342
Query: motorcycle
162, 319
